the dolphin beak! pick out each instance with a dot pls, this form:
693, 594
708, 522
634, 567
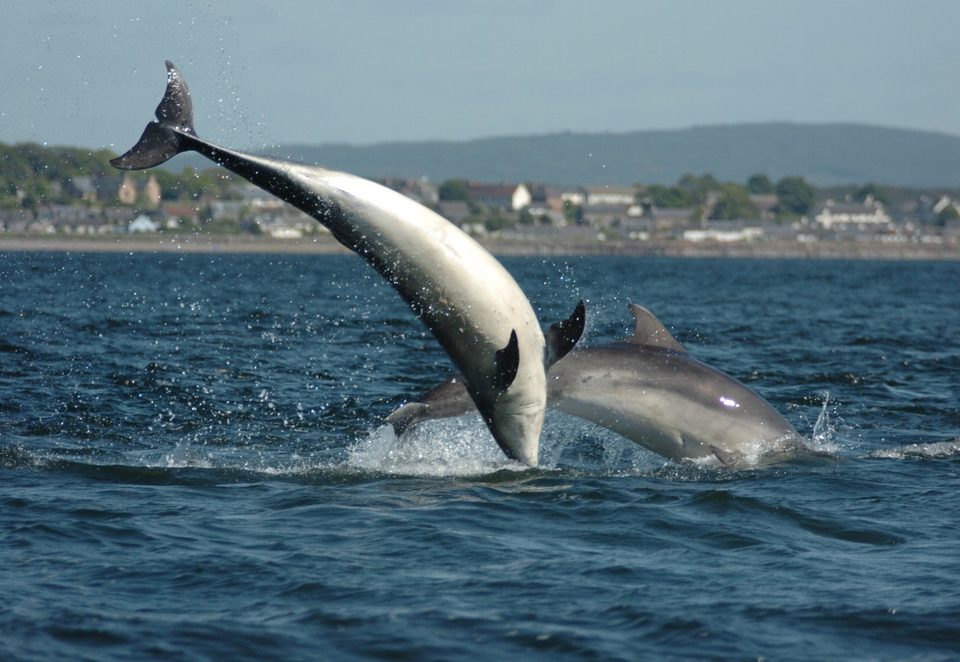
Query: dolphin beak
519, 435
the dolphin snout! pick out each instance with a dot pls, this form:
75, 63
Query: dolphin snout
518, 434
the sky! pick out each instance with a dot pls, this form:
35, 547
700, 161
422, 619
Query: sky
90, 74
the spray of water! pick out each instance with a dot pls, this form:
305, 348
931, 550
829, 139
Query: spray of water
449, 447
823, 437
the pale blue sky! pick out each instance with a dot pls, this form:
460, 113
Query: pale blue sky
362, 71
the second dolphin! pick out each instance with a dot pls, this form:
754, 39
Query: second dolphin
648, 389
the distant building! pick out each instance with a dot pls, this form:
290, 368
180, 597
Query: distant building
116, 217
15, 220
943, 206
671, 218
69, 219
513, 197
609, 196
725, 232
547, 197
229, 210
602, 206
610, 215
176, 213
292, 225
84, 188
844, 215
131, 191
766, 205
547, 204
246, 195
151, 193
573, 197
142, 223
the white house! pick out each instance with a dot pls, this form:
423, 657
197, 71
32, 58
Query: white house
609, 196
861, 215
142, 223
500, 196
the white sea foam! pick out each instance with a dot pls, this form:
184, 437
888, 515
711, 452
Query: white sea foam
448, 447
931, 451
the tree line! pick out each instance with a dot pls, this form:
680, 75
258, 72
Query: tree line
731, 201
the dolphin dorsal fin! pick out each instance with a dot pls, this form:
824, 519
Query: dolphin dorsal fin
651, 331
562, 336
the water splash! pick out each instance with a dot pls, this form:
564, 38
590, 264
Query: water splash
463, 447
449, 447
823, 437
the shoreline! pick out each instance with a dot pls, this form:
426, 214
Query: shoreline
234, 244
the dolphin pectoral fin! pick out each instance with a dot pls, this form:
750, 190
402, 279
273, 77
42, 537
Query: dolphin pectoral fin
407, 416
162, 139
507, 364
445, 400
562, 336
648, 330
726, 458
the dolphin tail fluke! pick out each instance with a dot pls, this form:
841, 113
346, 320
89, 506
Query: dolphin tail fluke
562, 336
163, 139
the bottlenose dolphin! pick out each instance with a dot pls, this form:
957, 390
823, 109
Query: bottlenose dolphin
467, 299
647, 388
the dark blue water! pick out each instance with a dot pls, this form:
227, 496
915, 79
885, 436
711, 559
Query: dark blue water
192, 467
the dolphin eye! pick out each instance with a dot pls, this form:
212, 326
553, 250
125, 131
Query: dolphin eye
727, 402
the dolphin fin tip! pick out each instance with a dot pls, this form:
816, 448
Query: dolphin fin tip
648, 330
563, 336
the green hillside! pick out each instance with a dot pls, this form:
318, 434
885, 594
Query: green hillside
824, 154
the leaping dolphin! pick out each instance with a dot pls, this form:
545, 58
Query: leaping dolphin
647, 388
467, 299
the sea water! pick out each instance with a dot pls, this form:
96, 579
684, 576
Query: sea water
193, 465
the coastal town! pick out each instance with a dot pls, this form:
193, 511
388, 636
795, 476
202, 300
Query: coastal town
695, 212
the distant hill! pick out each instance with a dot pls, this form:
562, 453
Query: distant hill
824, 154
